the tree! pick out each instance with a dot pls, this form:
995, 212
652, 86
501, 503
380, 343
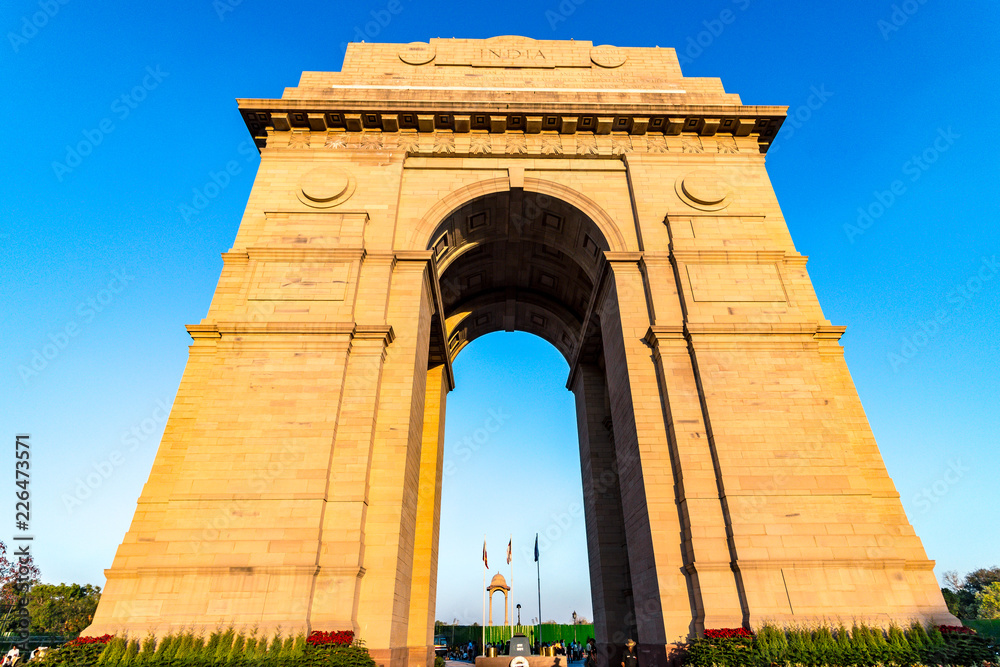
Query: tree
988, 601
960, 593
63, 609
978, 580
952, 580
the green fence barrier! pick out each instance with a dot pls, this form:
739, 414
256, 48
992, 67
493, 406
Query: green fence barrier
460, 635
33, 641
566, 633
502, 633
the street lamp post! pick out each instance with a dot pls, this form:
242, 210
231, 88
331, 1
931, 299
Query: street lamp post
519, 614
574, 627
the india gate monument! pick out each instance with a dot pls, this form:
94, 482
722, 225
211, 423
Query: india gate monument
431, 193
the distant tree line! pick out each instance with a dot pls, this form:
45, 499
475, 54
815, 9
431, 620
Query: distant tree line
974, 596
54, 609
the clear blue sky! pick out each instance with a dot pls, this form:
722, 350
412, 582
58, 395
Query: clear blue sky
912, 103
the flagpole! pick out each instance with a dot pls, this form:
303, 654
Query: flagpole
485, 565
538, 566
510, 555
539, 602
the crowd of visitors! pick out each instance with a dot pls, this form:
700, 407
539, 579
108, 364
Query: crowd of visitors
13, 657
575, 651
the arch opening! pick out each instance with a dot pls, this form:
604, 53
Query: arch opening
528, 261
512, 469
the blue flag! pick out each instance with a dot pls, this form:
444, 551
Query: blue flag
536, 547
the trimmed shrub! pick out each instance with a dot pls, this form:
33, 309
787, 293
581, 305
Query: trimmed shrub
223, 649
863, 646
337, 655
80, 652
721, 647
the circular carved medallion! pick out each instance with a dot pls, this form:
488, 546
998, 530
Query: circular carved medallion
417, 53
324, 187
704, 191
608, 56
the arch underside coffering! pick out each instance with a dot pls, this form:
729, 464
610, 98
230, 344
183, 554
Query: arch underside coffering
520, 261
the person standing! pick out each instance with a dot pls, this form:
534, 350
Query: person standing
629, 657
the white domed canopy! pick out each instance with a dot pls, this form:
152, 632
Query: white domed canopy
498, 582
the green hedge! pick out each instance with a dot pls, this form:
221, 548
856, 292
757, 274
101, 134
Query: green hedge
222, 649
987, 627
862, 646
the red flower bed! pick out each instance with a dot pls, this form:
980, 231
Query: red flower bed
341, 638
80, 641
728, 633
955, 630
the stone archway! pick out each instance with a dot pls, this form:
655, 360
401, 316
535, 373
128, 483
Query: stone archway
430, 193
498, 585
520, 260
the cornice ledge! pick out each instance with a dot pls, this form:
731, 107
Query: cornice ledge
414, 255
629, 257
664, 333
299, 253
708, 566
237, 257
734, 256
312, 328
863, 563
129, 573
362, 114
829, 332
375, 332
197, 331
748, 328
363, 103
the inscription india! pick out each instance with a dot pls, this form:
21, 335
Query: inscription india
511, 54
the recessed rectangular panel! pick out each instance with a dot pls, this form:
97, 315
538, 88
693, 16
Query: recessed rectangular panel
295, 281
735, 282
